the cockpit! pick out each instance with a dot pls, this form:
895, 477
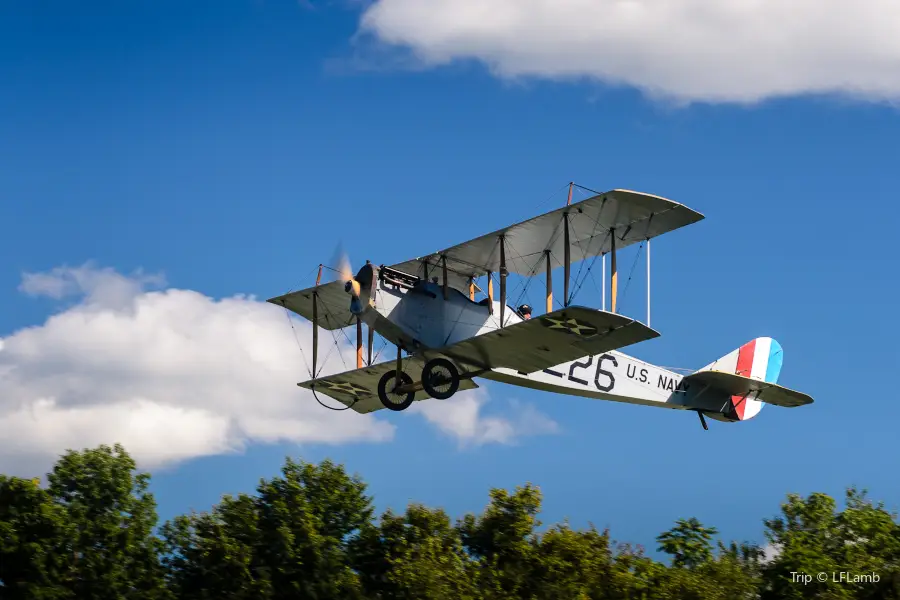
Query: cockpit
434, 289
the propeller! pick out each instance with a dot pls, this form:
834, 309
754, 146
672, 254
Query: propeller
358, 286
351, 285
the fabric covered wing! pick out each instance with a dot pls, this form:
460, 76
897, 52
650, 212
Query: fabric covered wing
333, 305
561, 336
359, 388
634, 216
738, 385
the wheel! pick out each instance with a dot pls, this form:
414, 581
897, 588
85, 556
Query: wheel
391, 400
440, 378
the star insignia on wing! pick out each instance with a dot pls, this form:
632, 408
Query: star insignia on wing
346, 388
572, 326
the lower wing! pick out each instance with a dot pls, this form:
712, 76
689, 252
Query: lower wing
358, 388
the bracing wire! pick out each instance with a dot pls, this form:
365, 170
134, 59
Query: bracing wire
587, 273
299, 345
581, 266
306, 276
307, 364
558, 190
587, 189
633, 266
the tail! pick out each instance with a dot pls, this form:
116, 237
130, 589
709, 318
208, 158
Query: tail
759, 359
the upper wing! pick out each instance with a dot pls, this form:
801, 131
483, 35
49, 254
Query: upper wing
738, 385
548, 340
358, 389
333, 304
634, 216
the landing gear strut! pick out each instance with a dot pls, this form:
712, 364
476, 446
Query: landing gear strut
440, 378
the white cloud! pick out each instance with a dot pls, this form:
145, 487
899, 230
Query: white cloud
173, 374
686, 50
770, 552
461, 418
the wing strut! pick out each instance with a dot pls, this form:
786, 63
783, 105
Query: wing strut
568, 253
490, 277
567, 260
549, 283
444, 268
614, 274
649, 221
603, 281
648, 282
359, 350
315, 299
503, 275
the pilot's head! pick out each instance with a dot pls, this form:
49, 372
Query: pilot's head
525, 311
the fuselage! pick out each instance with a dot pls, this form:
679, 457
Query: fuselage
421, 318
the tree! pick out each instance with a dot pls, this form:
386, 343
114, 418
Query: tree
808, 538
211, 555
34, 536
813, 538
689, 543
309, 534
289, 541
502, 540
571, 564
415, 555
112, 515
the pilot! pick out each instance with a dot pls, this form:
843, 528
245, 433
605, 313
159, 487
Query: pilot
525, 311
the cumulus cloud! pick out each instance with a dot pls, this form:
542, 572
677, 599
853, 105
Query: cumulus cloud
686, 50
463, 420
174, 374
770, 552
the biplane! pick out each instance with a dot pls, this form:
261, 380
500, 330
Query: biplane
427, 307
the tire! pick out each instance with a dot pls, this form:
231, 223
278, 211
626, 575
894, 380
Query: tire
386, 386
440, 378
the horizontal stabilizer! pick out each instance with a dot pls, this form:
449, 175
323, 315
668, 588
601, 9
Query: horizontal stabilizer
359, 388
551, 339
738, 385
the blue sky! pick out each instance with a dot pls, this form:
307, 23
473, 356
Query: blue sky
228, 148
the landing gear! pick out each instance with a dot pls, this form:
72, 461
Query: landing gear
388, 393
440, 378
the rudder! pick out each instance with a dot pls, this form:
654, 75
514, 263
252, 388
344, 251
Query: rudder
759, 359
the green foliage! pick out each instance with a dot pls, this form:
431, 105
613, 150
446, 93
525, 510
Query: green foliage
813, 538
34, 533
311, 533
88, 535
689, 543
415, 555
291, 540
502, 541
571, 564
